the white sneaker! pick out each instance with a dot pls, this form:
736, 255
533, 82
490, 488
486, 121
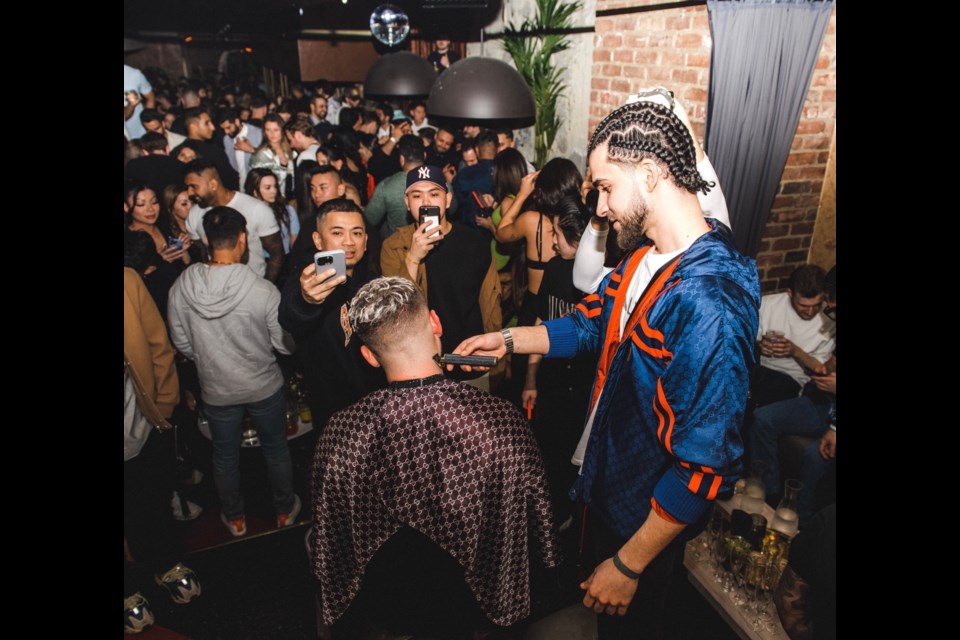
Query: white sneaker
237, 527
183, 509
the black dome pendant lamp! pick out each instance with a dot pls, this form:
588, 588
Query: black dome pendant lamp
479, 88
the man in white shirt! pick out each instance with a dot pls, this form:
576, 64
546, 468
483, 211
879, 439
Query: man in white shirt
240, 140
206, 190
795, 338
418, 111
137, 92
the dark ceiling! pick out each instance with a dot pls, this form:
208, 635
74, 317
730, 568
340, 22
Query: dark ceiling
234, 19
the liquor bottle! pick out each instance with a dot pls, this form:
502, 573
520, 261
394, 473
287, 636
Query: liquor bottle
785, 519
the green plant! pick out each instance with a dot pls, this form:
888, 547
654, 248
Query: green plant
532, 45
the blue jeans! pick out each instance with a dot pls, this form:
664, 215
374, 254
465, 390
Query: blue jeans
226, 426
800, 417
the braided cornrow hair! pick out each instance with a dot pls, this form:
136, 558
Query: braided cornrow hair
648, 130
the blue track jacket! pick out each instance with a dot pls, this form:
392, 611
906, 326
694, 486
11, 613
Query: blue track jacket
667, 429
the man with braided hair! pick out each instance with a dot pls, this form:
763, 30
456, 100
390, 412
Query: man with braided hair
673, 326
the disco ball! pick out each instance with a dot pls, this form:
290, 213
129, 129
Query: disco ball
389, 24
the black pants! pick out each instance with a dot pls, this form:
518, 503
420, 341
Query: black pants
148, 522
645, 616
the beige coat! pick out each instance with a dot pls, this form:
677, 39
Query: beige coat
147, 353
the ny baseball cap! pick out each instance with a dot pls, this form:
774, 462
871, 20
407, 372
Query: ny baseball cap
426, 173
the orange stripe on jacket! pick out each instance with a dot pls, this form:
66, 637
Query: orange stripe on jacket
611, 340
663, 420
695, 481
670, 417
714, 487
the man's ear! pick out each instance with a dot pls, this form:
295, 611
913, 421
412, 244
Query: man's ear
647, 174
449, 198
342, 189
435, 323
318, 240
369, 356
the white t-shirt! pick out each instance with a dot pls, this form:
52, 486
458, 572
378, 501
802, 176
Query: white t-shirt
133, 80
175, 139
651, 263
260, 223
817, 336
416, 127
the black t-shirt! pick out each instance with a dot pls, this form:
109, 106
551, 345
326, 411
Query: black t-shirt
456, 269
562, 383
557, 296
813, 556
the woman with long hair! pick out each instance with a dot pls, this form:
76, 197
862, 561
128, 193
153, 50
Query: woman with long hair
274, 153
509, 167
344, 152
142, 212
548, 381
262, 184
558, 178
176, 204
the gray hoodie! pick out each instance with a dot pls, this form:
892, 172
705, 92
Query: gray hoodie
224, 318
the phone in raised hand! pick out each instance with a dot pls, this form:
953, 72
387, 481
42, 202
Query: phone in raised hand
431, 215
335, 258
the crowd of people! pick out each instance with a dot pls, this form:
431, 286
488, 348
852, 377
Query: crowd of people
625, 322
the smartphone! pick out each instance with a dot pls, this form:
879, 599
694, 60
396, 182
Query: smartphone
432, 215
174, 243
335, 258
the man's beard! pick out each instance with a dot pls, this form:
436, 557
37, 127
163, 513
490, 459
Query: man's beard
205, 202
630, 232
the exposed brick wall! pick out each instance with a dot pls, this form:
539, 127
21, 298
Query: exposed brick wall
672, 48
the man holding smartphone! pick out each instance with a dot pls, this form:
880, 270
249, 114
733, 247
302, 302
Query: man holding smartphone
313, 309
455, 260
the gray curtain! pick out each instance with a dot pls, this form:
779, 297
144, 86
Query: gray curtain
764, 52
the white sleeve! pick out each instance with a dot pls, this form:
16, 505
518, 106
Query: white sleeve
588, 269
143, 85
714, 205
264, 222
273, 323
195, 223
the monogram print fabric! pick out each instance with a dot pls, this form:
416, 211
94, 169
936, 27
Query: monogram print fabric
453, 462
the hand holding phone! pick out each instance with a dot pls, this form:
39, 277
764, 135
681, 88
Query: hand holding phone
335, 259
315, 284
431, 215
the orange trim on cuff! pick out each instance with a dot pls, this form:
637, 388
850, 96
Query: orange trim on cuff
662, 513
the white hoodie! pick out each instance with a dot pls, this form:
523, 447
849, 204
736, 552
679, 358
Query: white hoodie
224, 318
